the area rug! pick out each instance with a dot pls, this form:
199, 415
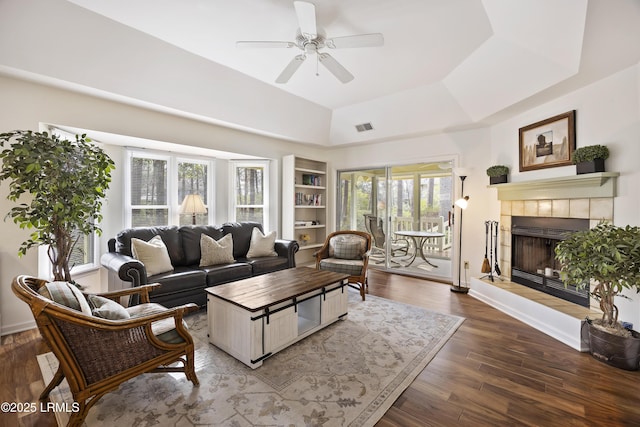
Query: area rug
347, 374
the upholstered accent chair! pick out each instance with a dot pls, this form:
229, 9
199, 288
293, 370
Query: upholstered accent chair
347, 251
101, 344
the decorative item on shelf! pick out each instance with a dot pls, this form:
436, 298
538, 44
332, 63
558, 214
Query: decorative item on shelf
193, 204
590, 159
608, 257
60, 185
498, 174
304, 238
309, 179
462, 204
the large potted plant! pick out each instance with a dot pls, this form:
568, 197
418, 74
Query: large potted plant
590, 158
59, 186
497, 174
608, 257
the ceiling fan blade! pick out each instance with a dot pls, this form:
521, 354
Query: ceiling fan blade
306, 18
335, 68
264, 44
361, 40
291, 68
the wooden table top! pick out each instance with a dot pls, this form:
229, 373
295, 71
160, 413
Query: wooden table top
257, 293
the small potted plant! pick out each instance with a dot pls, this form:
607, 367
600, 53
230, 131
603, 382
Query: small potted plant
590, 159
608, 257
498, 174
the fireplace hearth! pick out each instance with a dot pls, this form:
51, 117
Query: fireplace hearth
533, 262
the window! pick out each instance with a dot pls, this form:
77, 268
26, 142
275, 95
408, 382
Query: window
249, 190
157, 185
192, 179
149, 193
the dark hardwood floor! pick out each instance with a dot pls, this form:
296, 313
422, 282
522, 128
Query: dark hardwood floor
494, 371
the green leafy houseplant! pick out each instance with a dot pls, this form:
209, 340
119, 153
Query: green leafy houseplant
497, 170
589, 153
607, 255
59, 185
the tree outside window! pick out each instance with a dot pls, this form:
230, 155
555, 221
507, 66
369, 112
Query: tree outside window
250, 198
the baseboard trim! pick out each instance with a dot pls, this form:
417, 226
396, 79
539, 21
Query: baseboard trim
17, 327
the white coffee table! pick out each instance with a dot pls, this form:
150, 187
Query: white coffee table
254, 318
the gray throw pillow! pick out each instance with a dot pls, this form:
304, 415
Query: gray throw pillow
106, 308
215, 252
347, 250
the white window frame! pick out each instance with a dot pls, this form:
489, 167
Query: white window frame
234, 165
173, 204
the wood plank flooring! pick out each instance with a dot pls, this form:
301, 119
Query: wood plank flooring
494, 371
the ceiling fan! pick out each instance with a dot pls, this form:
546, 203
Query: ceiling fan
310, 40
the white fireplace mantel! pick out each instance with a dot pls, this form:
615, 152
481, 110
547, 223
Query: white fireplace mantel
591, 185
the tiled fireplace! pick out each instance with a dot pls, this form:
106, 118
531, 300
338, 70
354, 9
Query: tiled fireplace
588, 197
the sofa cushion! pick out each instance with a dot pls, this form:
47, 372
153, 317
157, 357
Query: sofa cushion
180, 279
153, 254
346, 266
106, 308
264, 265
215, 252
164, 329
66, 294
191, 235
219, 274
169, 234
261, 245
241, 236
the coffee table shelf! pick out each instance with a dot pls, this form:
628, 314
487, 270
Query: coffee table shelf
253, 319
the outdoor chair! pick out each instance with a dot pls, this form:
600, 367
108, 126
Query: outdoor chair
97, 354
347, 251
399, 247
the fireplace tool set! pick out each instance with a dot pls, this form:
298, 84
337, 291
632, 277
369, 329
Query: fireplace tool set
489, 265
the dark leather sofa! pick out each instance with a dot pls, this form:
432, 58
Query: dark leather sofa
186, 283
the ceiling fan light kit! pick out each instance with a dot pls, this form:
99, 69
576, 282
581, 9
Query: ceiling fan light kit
310, 41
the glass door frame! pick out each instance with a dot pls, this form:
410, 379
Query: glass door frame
377, 199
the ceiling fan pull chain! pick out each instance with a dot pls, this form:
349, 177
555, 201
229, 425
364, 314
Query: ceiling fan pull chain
317, 64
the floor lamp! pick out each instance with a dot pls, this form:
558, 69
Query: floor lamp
462, 204
193, 204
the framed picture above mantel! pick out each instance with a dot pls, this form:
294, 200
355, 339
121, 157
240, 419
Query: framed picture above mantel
548, 143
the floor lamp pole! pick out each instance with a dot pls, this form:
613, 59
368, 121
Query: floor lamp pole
459, 288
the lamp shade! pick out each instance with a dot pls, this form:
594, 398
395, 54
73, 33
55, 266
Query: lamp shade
463, 202
192, 204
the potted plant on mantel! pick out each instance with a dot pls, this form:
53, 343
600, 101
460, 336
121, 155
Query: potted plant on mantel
498, 174
609, 258
64, 181
590, 158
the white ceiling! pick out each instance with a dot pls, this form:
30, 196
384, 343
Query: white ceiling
445, 64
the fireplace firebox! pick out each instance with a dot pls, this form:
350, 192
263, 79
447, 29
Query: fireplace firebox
533, 261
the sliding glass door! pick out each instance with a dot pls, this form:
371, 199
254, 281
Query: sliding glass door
406, 210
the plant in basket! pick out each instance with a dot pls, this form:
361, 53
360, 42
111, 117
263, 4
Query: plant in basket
608, 257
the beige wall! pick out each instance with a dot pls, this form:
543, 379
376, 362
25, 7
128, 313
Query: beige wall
25, 105
607, 113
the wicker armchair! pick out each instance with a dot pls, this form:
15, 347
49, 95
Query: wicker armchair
96, 355
347, 251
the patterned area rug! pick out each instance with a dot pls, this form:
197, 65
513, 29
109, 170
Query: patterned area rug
348, 373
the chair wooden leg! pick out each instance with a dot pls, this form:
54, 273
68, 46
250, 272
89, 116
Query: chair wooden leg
55, 382
190, 370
